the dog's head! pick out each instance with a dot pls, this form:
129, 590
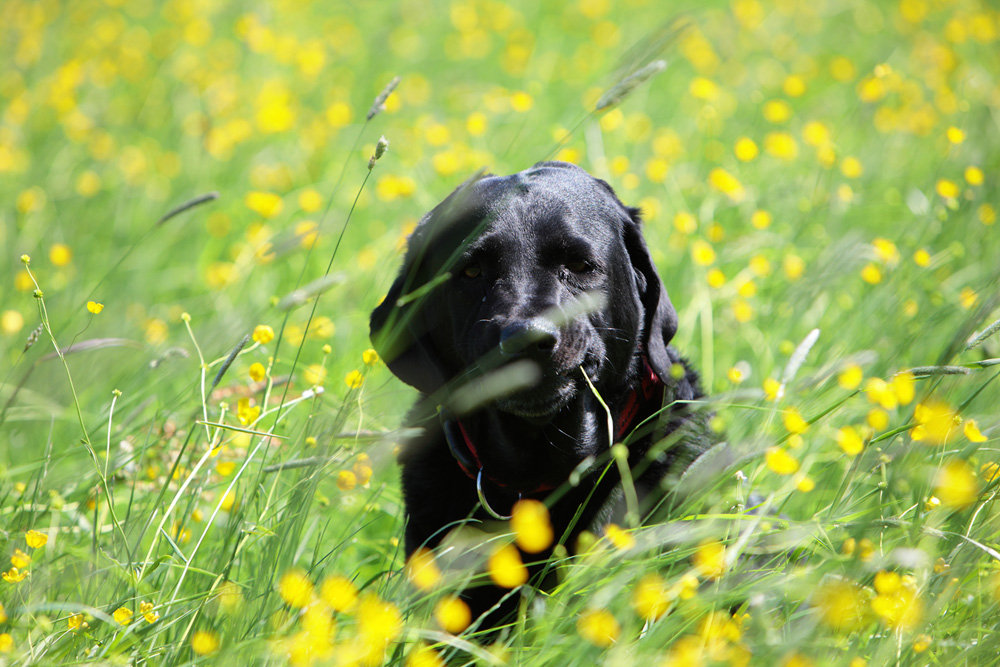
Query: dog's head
545, 272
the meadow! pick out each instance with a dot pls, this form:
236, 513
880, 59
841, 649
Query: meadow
197, 446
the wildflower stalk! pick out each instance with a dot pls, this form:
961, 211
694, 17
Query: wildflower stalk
111, 413
620, 455
43, 315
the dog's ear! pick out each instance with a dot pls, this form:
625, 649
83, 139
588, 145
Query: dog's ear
401, 333
660, 318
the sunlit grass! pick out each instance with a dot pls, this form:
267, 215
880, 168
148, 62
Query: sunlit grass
198, 443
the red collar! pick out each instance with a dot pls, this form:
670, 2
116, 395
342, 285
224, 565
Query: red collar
650, 387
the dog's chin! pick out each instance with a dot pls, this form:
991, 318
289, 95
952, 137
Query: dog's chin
538, 403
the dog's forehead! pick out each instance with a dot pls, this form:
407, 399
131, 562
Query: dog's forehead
551, 200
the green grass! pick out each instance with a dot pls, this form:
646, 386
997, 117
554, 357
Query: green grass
122, 439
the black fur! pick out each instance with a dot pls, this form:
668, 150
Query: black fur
549, 274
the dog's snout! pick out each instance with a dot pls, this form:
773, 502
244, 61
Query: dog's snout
536, 339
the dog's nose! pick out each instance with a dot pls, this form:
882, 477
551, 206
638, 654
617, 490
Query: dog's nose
535, 339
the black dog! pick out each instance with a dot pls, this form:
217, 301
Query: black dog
512, 290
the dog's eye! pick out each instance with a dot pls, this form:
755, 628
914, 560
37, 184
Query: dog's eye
579, 266
472, 271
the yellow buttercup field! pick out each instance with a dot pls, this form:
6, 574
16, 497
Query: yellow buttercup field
204, 201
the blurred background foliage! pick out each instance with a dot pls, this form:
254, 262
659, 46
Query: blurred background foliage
800, 165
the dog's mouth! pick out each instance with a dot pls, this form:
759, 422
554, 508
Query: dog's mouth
552, 392
543, 400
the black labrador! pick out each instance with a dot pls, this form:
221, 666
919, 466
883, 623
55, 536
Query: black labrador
513, 289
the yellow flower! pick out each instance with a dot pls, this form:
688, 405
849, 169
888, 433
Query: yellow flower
974, 176
338, 592
75, 621
379, 622
781, 145
505, 567
476, 123
935, 420
263, 334
879, 392
851, 167
956, 485
710, 559
369, 357
816, 134
246, 413
599, 627
14, 575
989, 471
777, 111
146, 609
715, 278
60, 254
850, 378
354, 379
842, 605
735, 375
805, 484
362, 469
702, 88
702, 253
452, 614
871, 274
742, 311
295, 588
650, 597
20, 560
346, 480
968, 298
94, 307
772, 389
922, 643
35, 539
794, 422
903, 387
314, 374
726, 183
657, 169
229, 596
6, 643
947, 189
621, 539
760, 266
257, 371
955, 135
265, 204
685, 223
123, 615
11, 321
897, 604
310, 200
420, 656
780, 461
760, 219
521, 101
886, 251
531, 525
850, 441
228, 501
745, 149
204, 642
796, 659
922, 258
422, 569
